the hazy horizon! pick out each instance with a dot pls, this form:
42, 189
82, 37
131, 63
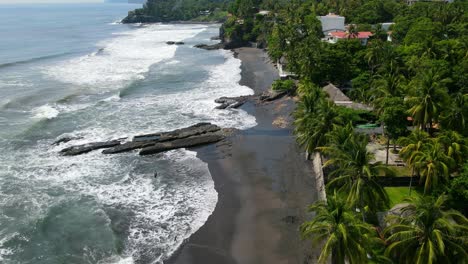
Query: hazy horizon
48, 1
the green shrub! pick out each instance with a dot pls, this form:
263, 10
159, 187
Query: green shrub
284, 86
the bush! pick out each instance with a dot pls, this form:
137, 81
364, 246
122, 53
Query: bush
458, 191
356, 116
284, 86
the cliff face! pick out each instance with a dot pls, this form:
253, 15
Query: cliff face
176, 10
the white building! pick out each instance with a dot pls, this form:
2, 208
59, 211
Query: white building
332, 23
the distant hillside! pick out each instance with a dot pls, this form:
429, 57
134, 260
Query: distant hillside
178, 10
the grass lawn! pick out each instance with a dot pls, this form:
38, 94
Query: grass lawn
397, 194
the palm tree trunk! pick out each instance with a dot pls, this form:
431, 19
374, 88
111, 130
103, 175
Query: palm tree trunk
388, 147
411, 181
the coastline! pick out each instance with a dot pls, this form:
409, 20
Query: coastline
264, 185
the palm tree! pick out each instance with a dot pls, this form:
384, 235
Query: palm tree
355, 174
425, 233
428, 100
412, 145
311, 127
387, 85
432, 164
344, 235
456, 116
455, 145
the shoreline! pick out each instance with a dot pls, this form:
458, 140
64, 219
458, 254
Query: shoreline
264, 185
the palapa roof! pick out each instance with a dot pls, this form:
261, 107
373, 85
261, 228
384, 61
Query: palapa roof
339, 98
335, 93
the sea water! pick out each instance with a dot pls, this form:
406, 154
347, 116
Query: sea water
72, 70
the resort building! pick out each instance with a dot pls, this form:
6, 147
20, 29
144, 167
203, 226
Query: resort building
339, 98
363, 36
332, 23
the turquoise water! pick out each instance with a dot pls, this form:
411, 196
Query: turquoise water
71, 70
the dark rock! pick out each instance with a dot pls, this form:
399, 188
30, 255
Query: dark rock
198, 129
272, 96
156, 174
216, 38
81, 149
170, 42
222, 106
65, 140
182, 143
210, 47
197, 134
230, 102
129, 146
180, 43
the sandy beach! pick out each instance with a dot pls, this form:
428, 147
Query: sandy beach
263, 182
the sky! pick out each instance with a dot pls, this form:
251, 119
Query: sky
48, 1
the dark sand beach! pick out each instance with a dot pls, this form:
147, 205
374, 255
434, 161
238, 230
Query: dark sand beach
263, 181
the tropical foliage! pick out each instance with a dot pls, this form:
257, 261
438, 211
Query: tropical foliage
417, 86
425, 232
341, 232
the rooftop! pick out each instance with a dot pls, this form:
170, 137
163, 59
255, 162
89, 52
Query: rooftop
359, 35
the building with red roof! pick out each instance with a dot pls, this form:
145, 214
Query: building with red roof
363, 36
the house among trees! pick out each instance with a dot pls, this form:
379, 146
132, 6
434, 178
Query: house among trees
340, 99
363, 36
263, 12
332, 23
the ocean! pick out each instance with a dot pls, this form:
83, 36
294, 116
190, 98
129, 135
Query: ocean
71, 70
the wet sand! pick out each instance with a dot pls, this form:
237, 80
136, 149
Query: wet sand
263, 182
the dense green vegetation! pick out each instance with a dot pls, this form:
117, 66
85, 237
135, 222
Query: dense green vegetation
179, 10
420, 78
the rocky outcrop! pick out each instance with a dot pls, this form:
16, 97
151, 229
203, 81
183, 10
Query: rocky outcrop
230, 102
272, 96
65, 140
210, 47
175, 43
182, 143
85, 148
199, 134
139, 18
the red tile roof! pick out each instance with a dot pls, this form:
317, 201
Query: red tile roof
360, 35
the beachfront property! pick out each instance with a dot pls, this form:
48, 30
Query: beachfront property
363, 36
334, 29
281, 65
263, 12
339, 98
332, 23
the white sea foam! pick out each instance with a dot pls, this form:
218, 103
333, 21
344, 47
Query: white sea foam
45, 112
124, 59
164, 211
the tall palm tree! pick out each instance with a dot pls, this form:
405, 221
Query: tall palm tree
425, 233
389, 84
432, 164
344, 235
455, 146
312, 127
429, 98
412, 145
355, 173
456, 116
